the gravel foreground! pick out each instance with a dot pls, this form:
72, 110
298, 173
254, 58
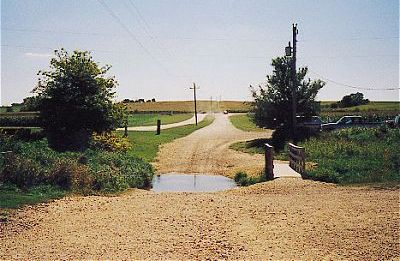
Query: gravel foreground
287, 218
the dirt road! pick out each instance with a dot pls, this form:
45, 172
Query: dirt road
207, 151
284, 219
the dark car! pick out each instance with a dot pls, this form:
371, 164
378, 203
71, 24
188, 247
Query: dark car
312, 122
345, 122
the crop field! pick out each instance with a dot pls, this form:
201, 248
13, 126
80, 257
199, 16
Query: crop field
188, 106
375, 111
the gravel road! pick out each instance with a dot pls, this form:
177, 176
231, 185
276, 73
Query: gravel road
207, 151
286, 219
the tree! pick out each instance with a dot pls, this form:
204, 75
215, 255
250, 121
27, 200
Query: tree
76, 99
273, 103
352, 99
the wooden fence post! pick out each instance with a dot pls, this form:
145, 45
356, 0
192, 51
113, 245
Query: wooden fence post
158, 127
269, 161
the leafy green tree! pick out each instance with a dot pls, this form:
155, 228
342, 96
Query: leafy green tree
353, 99
76, 99
273, 103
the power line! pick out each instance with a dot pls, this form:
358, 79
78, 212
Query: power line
354, 87
118, 20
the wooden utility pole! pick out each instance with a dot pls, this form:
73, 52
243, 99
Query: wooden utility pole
195, 102
294, 82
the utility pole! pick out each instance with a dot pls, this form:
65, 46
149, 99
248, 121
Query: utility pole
195, 102
211, 108
294, 82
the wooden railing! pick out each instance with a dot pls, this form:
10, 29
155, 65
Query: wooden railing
269, 161
297, 158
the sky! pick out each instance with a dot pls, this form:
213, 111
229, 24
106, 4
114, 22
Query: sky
158, 48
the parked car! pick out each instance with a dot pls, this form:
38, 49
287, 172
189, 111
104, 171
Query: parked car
348, 122
225, 112
395, 123
312, 122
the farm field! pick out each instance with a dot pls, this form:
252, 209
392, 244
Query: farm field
150, 119
188, 106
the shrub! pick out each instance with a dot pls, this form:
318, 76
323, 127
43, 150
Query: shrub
110, 141
23, 172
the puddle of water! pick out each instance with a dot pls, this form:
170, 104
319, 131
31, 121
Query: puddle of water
191, 183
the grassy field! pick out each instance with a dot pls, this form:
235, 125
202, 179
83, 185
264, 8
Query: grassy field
149, 119
145, 143
244, 122
188, 106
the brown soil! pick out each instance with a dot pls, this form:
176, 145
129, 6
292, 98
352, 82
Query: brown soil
288, 218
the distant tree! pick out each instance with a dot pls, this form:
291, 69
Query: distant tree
353, 99
76, 99
273, 103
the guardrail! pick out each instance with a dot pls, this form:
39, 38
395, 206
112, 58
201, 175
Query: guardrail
297, 158
269, 161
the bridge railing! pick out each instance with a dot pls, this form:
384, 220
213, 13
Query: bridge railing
297, 158
269, 161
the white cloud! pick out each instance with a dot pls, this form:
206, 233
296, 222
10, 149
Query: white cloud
38, 55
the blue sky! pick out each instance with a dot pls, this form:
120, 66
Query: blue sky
159, 47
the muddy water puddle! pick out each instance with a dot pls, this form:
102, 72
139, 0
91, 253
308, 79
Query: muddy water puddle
174, 182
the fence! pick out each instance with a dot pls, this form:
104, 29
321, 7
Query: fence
269, 161
297, 158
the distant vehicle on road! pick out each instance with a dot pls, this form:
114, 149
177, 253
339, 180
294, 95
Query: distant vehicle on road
225, 112
348, 122
395, 123
312, 122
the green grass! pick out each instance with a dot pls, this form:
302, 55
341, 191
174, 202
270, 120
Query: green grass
348, 156
151, 119
12, 197
257, 146
244, 122
145, 143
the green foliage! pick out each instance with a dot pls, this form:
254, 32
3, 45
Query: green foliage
75, 99
110, 141
355, 155
351, 100
148, 119
273, 103
31, 104
242, 179
13, 197
33, 163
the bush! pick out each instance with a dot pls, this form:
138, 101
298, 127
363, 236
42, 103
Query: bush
110, 141
24, 173
34, 163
